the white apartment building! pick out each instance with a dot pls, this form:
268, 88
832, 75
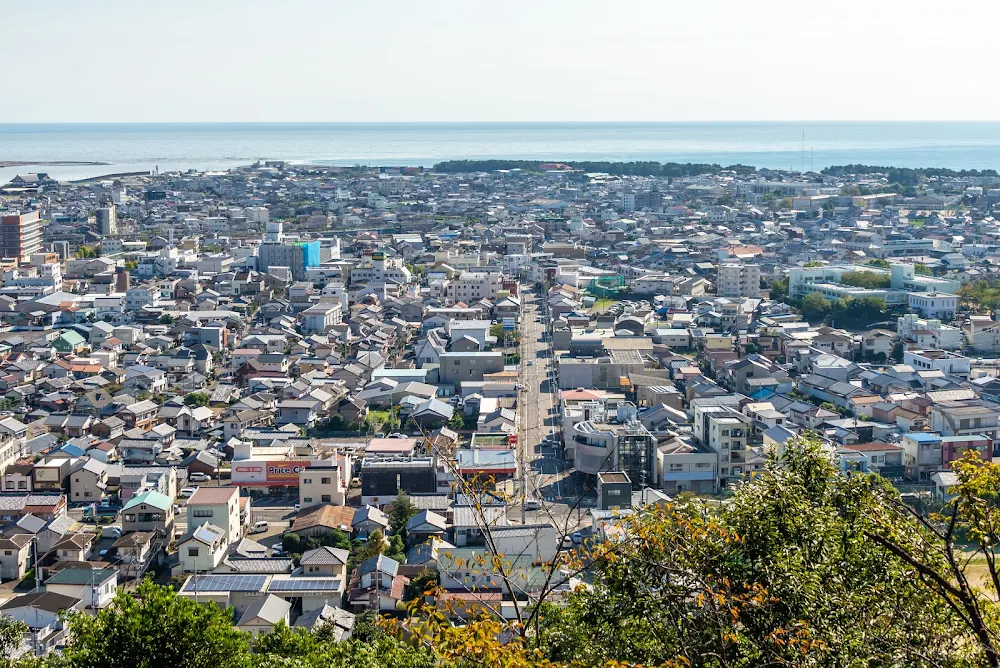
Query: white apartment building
219, 506
925, 360
929, 333
938, 305
472, 286
141, 295
738, 281
321, 317
382, 269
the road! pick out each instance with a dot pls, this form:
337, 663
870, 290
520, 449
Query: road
544, 469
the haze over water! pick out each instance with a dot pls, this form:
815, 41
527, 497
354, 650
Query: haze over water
173, 146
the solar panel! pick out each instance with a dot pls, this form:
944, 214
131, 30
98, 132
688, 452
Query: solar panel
205, 583
305, 584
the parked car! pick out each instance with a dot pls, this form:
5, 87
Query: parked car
111, 532
199, 477
260, 526
577, 537
187, 492
532, 504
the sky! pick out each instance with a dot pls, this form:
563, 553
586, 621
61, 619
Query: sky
512, 60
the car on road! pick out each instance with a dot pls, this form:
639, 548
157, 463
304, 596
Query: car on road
567, 542
577, 537
531, 362
260, 526
532, 504
187, 492
199, 477
111, 532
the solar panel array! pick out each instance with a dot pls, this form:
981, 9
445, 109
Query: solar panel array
305, 584
204, 583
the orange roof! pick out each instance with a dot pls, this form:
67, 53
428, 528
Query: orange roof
579, 395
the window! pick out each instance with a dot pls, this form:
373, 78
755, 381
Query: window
614, 492
326, 499
10, 484
676, 467
130, 517
201, 512
324, 481
307, 481
192, 552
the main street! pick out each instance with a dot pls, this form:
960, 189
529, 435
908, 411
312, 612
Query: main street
543, 467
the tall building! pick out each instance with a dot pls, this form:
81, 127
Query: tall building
20, 234
296, 256
737, 281
107, 220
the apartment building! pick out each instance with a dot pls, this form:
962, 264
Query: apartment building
737, 280
20, 234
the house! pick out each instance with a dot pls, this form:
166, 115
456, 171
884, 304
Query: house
44, 614
219, 506
329, 561
321, 483
202, 548
368, 519
89, 482
339, 623
264, 614
149, 511
135, 551
15, 550
96, 587
376, 585
323, 520
425, 525
302, 413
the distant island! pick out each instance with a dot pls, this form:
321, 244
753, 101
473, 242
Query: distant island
902, 175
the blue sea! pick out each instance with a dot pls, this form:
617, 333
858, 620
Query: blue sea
782, 145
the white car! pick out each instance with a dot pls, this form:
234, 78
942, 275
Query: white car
199, 477
187, 492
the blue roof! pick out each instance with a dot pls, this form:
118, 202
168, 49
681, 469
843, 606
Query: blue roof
155, 499
72, 450
923, 437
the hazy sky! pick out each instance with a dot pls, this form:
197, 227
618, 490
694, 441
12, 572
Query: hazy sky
506, 60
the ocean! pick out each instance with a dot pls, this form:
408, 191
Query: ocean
778, 145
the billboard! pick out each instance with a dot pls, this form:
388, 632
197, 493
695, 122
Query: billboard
282, 472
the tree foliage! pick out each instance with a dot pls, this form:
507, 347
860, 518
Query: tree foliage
197, 399
983, 295
815, 307
870, 280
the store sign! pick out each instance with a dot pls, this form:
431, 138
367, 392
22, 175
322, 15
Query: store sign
274, 473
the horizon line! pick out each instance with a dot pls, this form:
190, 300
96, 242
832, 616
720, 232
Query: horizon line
500, 122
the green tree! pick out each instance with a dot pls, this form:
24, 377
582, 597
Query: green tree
11, 636
922, 269
815, 307
784, 574
779, 289
399, 512
155, 627
880, 263
197, 399
457, 420
898, 349
870, 280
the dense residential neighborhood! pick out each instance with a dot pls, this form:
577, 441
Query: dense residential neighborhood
302, 391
